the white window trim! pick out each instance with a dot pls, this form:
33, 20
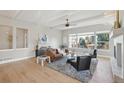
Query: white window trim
14, 39
91, 33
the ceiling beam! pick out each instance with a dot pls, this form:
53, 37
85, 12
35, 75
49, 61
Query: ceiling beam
64, 15
102, 20
79, 20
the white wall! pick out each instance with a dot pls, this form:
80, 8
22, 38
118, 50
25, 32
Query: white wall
18, 53
53, 36
92, 28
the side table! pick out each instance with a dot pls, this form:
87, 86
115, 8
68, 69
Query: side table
43, 59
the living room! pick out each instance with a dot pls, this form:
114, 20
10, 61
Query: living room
52, 41
61, 46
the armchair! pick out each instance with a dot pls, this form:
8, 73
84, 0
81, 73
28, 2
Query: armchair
82, 63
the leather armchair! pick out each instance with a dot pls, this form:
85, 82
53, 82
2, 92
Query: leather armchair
54, 54
82, 63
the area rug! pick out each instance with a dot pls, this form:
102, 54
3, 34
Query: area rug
63, 67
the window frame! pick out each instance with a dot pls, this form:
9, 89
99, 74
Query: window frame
77, 37
102, 32
27, 38
95, 39
14, 47
12, 39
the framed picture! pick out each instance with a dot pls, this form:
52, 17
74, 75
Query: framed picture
43, 38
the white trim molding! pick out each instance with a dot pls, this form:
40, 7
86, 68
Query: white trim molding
14, 60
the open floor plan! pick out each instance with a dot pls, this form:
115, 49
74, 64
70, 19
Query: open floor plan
61, 46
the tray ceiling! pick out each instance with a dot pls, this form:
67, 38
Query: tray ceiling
57, 18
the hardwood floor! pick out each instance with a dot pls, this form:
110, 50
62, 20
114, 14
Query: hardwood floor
28, 71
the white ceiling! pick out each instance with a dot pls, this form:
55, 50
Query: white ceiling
57, 18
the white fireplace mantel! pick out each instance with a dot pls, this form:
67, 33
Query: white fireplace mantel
117, 52
116, 32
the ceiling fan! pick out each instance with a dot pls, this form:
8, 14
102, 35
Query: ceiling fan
68, 23
65, 24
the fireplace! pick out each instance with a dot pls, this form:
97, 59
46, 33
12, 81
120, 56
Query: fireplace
117, 52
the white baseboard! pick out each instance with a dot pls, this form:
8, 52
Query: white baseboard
15, 60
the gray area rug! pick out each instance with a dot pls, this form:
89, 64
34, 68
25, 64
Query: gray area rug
63, 67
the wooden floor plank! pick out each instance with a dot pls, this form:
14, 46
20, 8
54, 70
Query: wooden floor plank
28, 71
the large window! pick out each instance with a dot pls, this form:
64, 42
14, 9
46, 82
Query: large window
89, 40
72, 40
21, 38
82, 40
102, 40
86, 40
6, 37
